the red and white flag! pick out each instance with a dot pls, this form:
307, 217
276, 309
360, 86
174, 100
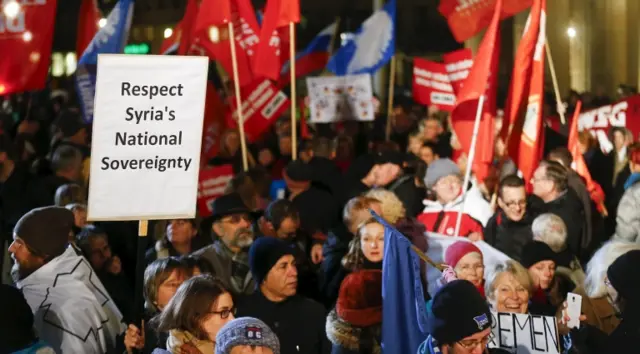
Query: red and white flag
88, 18
467, 18
482, 80
25, 44
274, 38
211, 185
458, 64
431, 85
524, 106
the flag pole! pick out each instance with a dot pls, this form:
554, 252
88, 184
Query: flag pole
236, 84
554, 79
392, 82
472, 155
292, 72
334, 36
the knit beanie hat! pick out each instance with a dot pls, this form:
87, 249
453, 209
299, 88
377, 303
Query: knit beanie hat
624, 277
536, 251
438, 169
457, 251
459, 311
46, 230
246, 331
264, 254
360, 298
298, 171
16, 322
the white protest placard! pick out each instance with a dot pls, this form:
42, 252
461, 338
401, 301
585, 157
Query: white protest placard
524, 334
337, 98
438, 244
147, 134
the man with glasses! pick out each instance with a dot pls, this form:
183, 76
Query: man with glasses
228, 255
460, 322
550, 183
509, 230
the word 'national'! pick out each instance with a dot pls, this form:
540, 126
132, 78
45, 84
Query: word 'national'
146, 139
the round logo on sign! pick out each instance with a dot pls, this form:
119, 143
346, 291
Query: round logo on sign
450, 231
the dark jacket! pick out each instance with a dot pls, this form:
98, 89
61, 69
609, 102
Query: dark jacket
14, 200
346, 338
45, 189
569, 208
318, 210
332, 271
411, 195
327, 175
509, 236
298, 322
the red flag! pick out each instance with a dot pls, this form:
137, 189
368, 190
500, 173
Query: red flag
87, 25
521, 76
467, 18
525, 145
595, 190
181, 39
274, 37
211, 34
431, 84
25, 42
212, 184
481, 81
214, 124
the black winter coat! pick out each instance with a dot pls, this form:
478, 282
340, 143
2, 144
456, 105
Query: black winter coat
569, 208
332, 272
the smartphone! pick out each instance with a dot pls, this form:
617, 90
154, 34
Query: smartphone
574, 309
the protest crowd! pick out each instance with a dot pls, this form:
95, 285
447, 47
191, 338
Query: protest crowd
412, 232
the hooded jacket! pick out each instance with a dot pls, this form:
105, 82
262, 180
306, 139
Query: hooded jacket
73, 311
628, 218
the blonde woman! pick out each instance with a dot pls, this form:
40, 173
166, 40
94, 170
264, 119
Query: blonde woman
509, 287
367, 248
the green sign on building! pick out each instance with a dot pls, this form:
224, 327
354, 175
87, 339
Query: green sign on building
137, 48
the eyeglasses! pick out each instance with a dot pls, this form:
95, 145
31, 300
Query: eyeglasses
472, 344
224, 314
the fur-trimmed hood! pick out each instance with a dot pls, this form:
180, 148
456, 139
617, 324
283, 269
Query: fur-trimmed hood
345, 335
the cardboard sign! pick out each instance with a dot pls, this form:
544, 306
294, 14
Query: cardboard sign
458, 64
147, 134
338, 98
213, 181
524, 334
431, 85
262, 104
438, 244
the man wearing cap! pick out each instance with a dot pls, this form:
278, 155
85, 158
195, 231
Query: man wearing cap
298, 322
73, 311
228, 255
441, 215
247, 335
460, 323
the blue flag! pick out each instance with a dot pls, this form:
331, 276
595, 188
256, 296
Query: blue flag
372, 47
404, 315
110, 39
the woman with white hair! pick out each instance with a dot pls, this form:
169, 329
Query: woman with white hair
597, 305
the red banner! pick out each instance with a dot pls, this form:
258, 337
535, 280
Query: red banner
431, 85
458, 64
262, 105
467, 18
273, 50
25, 44
211, 185
624, 113
87, 25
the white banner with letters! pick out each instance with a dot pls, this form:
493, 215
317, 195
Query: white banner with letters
147, 135
338, 98
524, 334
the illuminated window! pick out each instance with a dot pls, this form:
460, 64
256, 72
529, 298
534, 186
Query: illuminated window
57, 65
71, 63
